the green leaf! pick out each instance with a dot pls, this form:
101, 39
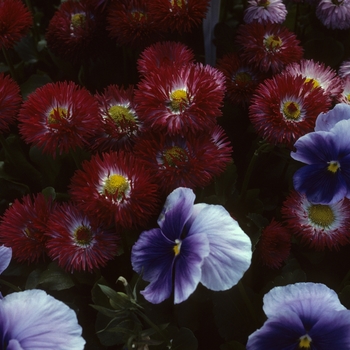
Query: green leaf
54, 278
35, 81
184, 339
117, 300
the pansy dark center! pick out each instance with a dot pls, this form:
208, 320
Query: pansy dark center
291, 110
82, 235
78, 20
174, 155
321, 215
177, 247
273, 42
116, 184
305, 342
121, 114
314, 82
178, 100
333, 166
263, 3
56, 114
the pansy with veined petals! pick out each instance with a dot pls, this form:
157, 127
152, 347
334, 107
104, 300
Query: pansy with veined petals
192, 241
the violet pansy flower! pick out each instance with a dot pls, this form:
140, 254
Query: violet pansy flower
302, 316
195, 243
5, 257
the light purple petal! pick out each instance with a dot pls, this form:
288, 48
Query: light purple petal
5, 258
194, 249
341, 131
326, 121
14, 345
230, 248
301, 298
39, 321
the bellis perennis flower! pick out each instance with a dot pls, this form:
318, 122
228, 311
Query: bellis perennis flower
194, 244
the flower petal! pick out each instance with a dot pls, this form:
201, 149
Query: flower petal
326, 121
230, 248
5, 257
14, 345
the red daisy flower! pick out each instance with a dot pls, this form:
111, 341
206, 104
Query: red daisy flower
15, 20
191, 161
23, 227
58, 116
317, 225
76, 242
163, 54
115, 187
76, 30
10, 102
241, 79
269, 47
181, 100
285, 107
274, 245
120, 123
130, 23
178, 15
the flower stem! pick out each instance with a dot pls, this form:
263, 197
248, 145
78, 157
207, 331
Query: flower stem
12, 286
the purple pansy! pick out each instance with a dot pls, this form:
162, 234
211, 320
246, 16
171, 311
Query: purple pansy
326, 177
195, 243
5, 257
34, 320
302, 316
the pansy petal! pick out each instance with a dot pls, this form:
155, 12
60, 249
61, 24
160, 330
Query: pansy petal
14, 345
188, 264
152, 254
326, 121
5, 257
230, 248
320, 185
340, 134
177, 209
39, 321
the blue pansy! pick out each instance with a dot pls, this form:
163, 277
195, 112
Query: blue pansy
5, 257
195, 243
302, 316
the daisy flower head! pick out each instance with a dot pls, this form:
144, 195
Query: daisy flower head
75, 31
5, 257
265, 11
344, 69
318, 226
178, 15
274, 245
120, 124
191, 242
302, 316
58, 117
178, 101
16, 20
284, 108
23, 227
130, 23
32, 319
164, 53
10, 102
334, 14
192, 161
319, 74
241, 79
268, 48
116, 188
78, 243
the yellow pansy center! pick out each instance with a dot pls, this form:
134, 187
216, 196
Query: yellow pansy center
263, 3
314, 82
178, 100
83, 235
78, 20
321, 215
177, 247
305, 342
273, 42
56, 114
121, 114
291, 110
174, 155
116, 184
333, 166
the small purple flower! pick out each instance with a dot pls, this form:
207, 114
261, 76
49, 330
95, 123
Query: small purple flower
5, 257
198, 243
334, 14
265, 11
33, 320
302, 316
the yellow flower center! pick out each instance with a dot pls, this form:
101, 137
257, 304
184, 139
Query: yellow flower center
116, 184
333, 166
314, 82
174, 155
291, 110
321, 215
121, 114
243, 78
56, 114
348, 97
178, 100
273, 42
305, 342
78, 20
177, 247
139, 16
264, 3
83, 235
